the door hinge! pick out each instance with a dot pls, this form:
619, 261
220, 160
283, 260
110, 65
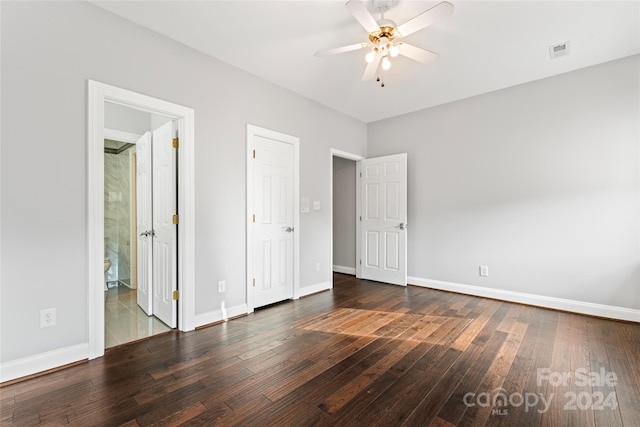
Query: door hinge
360, 174
176, 295
254, 154
176, 142
360, 262
254, 283
254, 217
360, 217
176, 219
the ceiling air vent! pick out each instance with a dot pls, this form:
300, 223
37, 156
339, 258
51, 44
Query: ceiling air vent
559, 50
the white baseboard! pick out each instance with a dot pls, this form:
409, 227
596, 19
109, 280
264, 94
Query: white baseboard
308, 290
220, 315
344, 270
612, 312
43, 362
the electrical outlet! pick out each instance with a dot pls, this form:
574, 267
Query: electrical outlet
484, 271
222, 285
47, 317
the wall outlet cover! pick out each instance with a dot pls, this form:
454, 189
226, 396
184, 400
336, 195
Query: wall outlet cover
47, 317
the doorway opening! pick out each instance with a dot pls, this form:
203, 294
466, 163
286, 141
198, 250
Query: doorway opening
345, 213
101, 97
380, 216
130, 310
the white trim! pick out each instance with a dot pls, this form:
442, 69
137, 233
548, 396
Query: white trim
344, 270
346, 155
98, 94
582, 307
42, 362
118, 135
358, 216
253, 130
220, 315
358, 159
314, 289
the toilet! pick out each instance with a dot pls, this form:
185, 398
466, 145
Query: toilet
107, 266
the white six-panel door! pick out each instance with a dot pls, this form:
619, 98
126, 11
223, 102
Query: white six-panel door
165, 231
384, 219
144, 221
273, 229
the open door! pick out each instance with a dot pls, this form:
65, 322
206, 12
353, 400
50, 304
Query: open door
384, 219
144, 222
165, 284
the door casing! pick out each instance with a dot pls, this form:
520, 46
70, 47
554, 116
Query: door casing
98, 94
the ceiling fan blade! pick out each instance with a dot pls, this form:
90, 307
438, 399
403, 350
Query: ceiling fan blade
341, 49
416, 53
371, 69
425, 19
360, 12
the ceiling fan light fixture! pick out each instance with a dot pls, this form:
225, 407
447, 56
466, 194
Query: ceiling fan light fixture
370, 57
383, 32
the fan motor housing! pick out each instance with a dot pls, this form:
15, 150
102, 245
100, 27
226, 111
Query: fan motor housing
385, 31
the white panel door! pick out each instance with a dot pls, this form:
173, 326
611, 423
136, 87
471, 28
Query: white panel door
165, 282
384, 219
144, 222
273, 201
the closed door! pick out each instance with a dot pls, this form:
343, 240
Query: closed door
273, 230
144, 222
384, 219
164, 226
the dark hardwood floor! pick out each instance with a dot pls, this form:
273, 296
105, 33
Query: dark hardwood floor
363, 354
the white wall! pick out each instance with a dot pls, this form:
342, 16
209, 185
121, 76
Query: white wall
49, 50
344, 215
540, 182
126, 119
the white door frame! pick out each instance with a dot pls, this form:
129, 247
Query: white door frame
252, 131
358, 159
98, 94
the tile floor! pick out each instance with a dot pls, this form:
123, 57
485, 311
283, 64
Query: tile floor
124, 320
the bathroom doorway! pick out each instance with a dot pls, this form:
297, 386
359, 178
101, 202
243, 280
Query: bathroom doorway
100, 96
129, 314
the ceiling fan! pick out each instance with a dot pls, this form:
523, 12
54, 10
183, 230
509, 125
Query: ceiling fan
384, 33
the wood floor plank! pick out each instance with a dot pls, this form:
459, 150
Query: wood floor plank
398, 350
627, 389
285, 387
364, 353
426, 411
607, 415
490, 340
495, 376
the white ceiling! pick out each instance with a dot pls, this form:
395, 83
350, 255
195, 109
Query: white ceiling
484, 45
